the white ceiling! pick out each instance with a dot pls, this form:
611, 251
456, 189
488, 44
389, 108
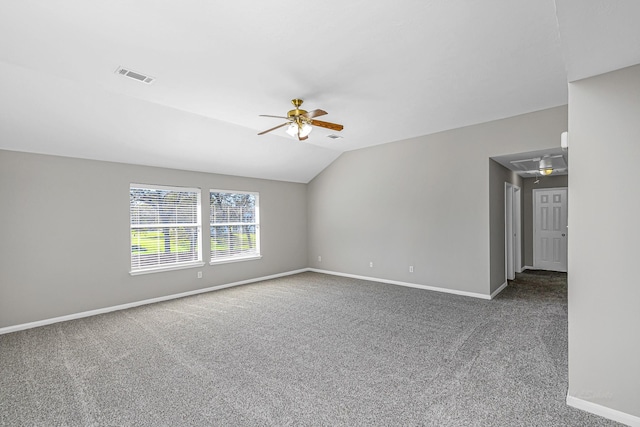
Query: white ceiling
385, 70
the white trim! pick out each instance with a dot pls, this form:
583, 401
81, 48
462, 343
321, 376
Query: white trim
23, 326
407, 284
517, 194
15, 328
165, 187
167, 268
500, 289
603, 411
527, 267
512, 230
508, 230
229, 260
219, 190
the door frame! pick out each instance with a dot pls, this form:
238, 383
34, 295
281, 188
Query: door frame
512, 231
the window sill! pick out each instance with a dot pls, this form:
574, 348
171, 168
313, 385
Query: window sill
168, 268
230, 260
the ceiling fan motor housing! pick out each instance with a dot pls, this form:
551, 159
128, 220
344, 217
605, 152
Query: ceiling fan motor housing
297, 112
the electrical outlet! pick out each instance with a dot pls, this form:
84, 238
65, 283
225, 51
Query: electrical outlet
319, 258
199, 274
411, 269
371, 264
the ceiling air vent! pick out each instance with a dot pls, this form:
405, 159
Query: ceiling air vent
134, 75
332, 136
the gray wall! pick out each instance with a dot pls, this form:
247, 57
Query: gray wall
498, 175
421, 202
65, 235
553, 181
604, 207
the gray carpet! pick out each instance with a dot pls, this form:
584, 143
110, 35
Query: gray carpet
308, 349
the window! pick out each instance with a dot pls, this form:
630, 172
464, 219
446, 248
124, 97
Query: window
234, 226
166, 231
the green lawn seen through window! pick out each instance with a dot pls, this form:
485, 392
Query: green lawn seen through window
154, 241
244, 241
150, 242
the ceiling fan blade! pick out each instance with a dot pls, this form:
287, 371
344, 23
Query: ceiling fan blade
277, 127
275, 117
535, 159
332, 126
315, 113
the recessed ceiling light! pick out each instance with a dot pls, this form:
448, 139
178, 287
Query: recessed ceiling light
135, 75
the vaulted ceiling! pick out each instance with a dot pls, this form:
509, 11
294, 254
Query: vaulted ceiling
385, 70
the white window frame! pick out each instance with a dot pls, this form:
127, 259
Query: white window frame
238, 257
167, 266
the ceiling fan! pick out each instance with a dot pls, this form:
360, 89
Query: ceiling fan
301, 122
545, 165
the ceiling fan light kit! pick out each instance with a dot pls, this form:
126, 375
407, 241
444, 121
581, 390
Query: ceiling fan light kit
545, 166
299, 129
300, 122
546, 172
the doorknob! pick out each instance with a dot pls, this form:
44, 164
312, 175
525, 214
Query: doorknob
563, 234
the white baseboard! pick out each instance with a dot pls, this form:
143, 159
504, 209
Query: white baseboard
500, 289
407, 284
527, 267
23, 326
603, 411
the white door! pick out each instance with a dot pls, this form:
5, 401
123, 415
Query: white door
550, 229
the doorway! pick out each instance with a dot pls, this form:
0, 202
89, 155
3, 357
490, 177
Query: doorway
513, 230
550, 229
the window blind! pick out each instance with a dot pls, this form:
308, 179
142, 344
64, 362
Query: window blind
166, 228
234, 225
